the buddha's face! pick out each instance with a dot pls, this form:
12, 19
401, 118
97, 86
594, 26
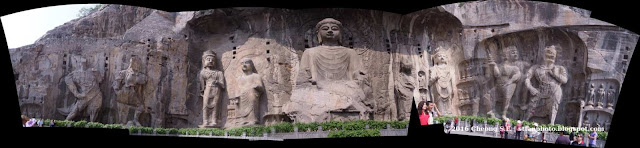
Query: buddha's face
550, 55
209, 61
246, 65
329, 32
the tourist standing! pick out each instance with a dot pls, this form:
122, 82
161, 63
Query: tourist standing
433, 111
518, 129
455, 122
578, 141
562, 139
52, 123
507, 127
572, 135
592, 138
424, 116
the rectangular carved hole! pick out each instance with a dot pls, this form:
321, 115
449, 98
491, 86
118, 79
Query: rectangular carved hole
267, 51
626, 57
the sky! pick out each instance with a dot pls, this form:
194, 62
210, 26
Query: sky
25, 27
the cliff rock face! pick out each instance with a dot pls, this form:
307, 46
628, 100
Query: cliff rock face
441, 54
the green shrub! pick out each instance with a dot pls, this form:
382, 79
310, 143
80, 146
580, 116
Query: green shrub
80, 124
95, 125
172, 131
114, 126
331, 125
283, 127
135, 129
63, 123
354, 133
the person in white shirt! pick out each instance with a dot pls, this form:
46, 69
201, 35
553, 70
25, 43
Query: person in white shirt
433, 111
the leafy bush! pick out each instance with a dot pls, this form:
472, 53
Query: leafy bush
283, 127
80, 124
161, 131
114, 126
354, 133
172, 131
63, 123
95, 125
331, 125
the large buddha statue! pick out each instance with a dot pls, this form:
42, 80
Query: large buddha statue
330, 80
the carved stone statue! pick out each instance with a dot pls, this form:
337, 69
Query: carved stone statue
506, 78
601, 96
592, 95
404, 89
550, 78
251, 90
440, 79
83, 84
211, 85
330, 80
128, 87
610, 97
523, 94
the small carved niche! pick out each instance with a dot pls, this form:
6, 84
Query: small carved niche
268, 42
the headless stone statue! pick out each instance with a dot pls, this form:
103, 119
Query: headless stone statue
550, 78
506, 77
128, 88
442, 86
83, 84
330, 80
211, 85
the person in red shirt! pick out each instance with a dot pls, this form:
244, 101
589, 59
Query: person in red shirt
422, 113
455, 122
507, 127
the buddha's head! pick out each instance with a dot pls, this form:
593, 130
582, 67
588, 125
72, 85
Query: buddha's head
208, 59
328, 31
247, 65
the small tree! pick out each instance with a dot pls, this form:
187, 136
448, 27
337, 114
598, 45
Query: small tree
88, 10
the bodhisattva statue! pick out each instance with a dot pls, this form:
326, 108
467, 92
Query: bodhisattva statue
523, 94
211, 85
331, 79
592, 95
506, 78
129, 92
251, 90
610, 97
83, 83
550, 78
441, 75
404, 89
601, 94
